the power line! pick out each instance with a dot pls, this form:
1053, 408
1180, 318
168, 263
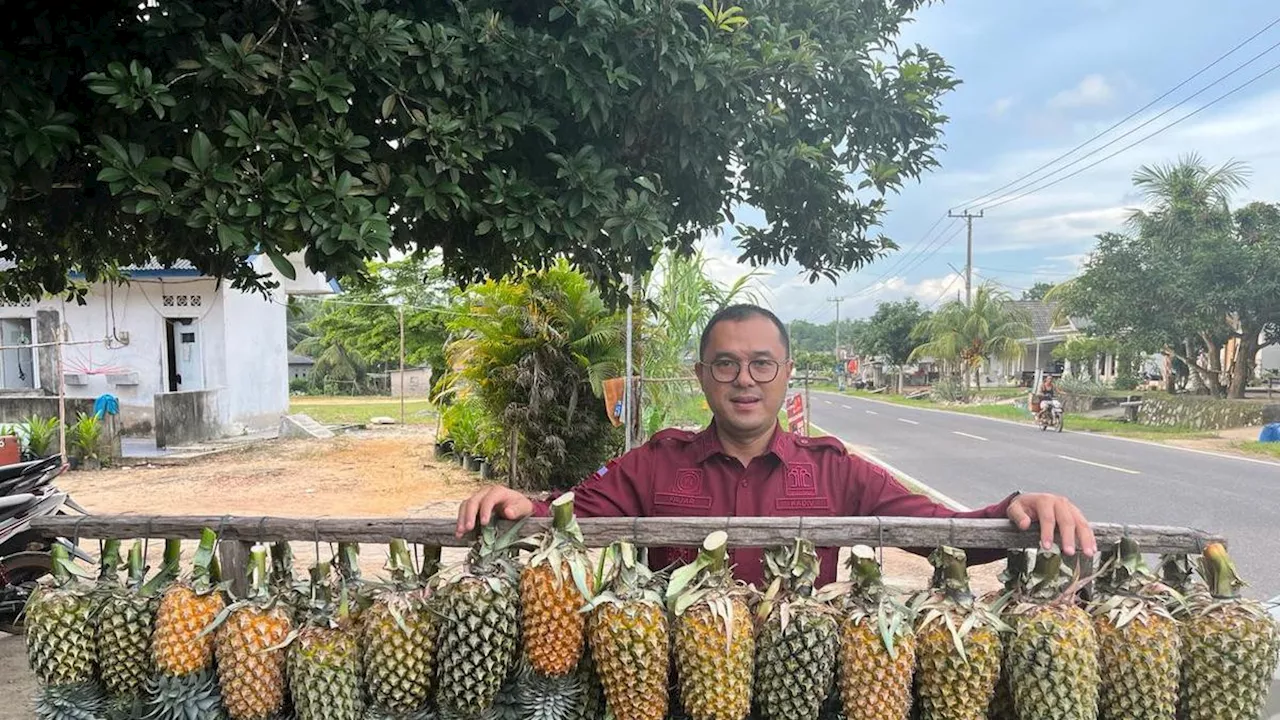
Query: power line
988, 196
945, 290
928, 252
1142, 139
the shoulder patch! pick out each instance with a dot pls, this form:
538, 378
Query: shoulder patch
676, 435
823, 442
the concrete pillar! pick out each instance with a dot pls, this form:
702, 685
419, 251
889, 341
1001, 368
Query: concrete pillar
48, 325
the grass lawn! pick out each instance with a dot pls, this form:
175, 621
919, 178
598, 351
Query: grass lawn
1269, 449
352, 410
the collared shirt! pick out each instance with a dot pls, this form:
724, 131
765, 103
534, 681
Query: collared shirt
688, 474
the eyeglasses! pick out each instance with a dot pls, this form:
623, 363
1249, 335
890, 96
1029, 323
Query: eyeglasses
726, 371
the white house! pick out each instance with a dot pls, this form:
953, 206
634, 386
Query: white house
185, 355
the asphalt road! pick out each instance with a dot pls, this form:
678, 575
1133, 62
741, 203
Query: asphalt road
977, 460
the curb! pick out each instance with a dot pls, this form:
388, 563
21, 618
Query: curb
911, 483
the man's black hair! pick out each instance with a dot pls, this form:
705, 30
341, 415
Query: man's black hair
738, 313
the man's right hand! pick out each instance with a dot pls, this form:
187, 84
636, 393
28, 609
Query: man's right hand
479, 509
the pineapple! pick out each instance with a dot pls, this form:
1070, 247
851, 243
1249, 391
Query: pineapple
124, 625
249, 648
80, 701
1179, 574
481, 627
324, 657
185, 685
1014, 577
797, 638
398, 640
1053, 652
714, 644
877, 646
1138, 642
630, 638
1232, 646
553, 588
60, 640
957, 644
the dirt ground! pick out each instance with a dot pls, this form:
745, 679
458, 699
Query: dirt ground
388, 472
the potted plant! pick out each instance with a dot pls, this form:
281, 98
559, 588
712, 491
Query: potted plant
473, 463
462, 424
486, 469
40, 436
86, 441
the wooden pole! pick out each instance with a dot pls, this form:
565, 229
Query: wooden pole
646, 531
401, 364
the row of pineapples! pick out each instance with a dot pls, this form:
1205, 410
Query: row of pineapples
560, 638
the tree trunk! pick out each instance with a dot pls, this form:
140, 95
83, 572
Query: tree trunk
1170, 374
1242, 368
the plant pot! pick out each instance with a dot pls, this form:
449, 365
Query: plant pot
444, 449
462, 458
473, 463
486, 470
91, 464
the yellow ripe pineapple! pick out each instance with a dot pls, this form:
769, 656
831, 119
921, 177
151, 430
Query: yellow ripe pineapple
958, 645
1138, 641
797, 637
553, 588
630, 638
249, 648
714, 640
180, 645
185, 684
877, 646
1232, 646
1053, 652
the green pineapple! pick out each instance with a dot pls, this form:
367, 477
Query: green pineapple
399, 638
1017, 571
481, 627
796, 640
125, 621
61, 647
1053, 652
324, 658
78, 701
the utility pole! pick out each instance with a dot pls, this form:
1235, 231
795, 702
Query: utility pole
839, 375
968, 254
401, 315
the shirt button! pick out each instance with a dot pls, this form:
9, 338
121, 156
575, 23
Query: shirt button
803, 441
743, 483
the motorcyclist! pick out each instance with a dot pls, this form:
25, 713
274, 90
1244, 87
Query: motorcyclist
1047, 390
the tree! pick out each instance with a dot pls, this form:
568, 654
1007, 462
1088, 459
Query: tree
534, 351
506, 133
1037, 291
1191, 278
888, 332
966, 335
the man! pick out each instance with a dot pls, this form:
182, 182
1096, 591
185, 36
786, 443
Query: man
745, 464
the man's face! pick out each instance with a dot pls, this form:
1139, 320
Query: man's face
744, 405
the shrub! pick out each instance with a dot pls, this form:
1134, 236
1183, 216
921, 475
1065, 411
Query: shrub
1126, 381
40, 435
1081, 386
950, 390
85, 437
462, 424
299, 386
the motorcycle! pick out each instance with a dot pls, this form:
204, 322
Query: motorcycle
1050, 415
27, 492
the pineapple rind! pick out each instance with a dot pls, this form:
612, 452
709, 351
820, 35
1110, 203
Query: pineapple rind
795, 667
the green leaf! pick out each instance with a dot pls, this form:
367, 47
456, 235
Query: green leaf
111, 174
555, 13
282, 264
230, 236
201, 149
388, 106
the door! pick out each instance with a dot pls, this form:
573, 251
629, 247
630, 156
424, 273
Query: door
17, 366
186, 368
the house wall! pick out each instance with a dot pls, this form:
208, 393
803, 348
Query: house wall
256, 358
1268, 358
417, 382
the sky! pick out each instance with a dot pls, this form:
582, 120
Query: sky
1038, 79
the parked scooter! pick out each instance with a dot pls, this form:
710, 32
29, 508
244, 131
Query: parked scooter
27, 492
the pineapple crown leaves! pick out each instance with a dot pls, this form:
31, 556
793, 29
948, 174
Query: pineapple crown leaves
952, 602
623, 576
1219, 573
562, 545
258, 595
1178, 571
707, 574
867, 598
170, 569
109, 563
792, 571
65, 570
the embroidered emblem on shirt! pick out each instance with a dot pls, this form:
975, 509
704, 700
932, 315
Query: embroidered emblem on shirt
800, 480
802, 503
685, 491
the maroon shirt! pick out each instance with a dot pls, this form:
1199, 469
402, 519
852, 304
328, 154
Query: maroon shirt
682, 473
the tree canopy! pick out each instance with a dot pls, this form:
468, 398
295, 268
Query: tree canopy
991, 326
888, 331
1191, 277
504, 133
1038, 290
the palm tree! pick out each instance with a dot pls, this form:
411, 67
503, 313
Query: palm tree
989, 327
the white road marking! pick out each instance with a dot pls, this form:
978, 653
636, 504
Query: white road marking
909, 422
872, 412
965, 434
846, 407
827, 402
1100, 465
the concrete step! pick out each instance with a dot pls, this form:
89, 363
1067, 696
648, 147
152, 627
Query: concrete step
303, 426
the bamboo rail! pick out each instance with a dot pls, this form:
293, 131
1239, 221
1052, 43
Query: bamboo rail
902, 532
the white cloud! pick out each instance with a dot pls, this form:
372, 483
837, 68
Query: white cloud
1002, 106
1092, 90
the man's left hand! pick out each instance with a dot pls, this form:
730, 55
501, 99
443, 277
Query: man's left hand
1054, 512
